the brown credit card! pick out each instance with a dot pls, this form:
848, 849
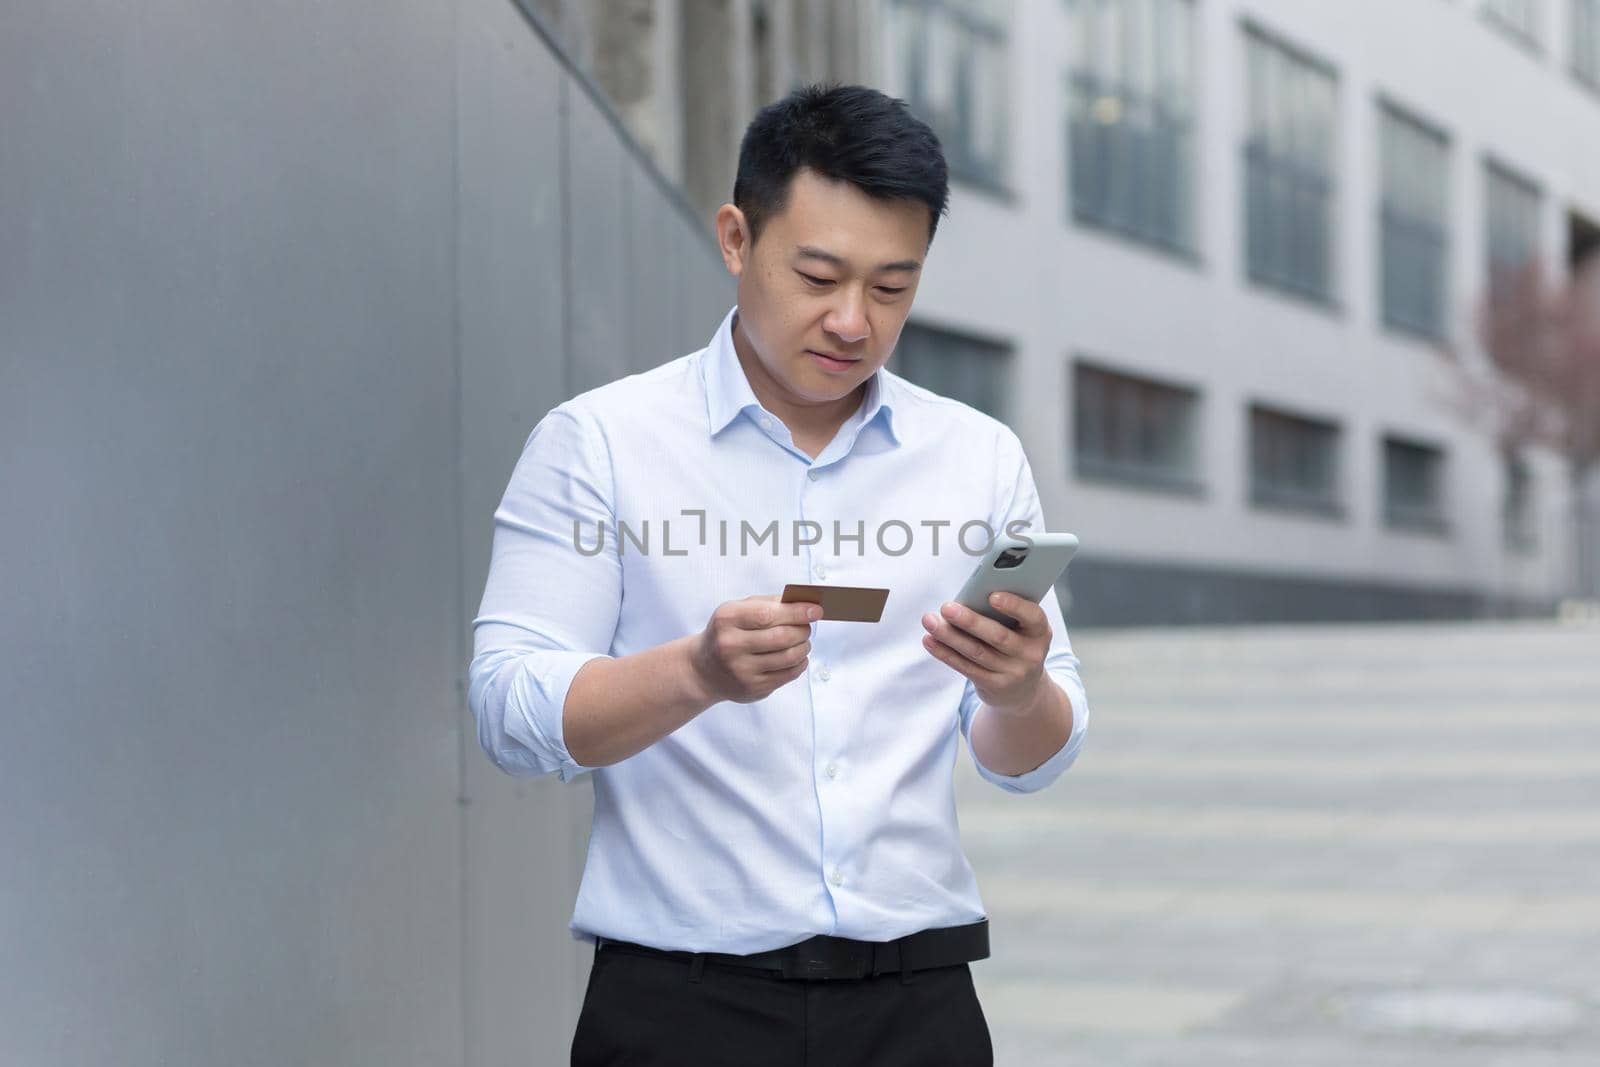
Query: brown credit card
840, 603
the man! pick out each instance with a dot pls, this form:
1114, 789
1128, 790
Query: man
775, 873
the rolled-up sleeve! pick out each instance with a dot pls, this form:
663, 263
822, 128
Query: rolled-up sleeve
552, 597
1015, 483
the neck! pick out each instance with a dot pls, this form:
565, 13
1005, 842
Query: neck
818, 421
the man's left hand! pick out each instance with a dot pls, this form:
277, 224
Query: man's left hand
1006, 666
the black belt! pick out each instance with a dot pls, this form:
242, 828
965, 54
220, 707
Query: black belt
825, 956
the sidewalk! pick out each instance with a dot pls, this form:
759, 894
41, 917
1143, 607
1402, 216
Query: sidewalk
1318, 845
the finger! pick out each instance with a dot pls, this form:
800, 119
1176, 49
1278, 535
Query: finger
968, 647
783, 660
779, 678
1031, 619
955, 660
763, 612
805, 611
982, 627
776, 638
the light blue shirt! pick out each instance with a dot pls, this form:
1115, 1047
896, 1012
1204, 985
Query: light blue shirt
827, 807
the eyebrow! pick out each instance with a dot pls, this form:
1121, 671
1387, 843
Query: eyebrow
811, 252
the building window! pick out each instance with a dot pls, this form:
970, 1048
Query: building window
1413, 485
1294, 462
1131, 92
1511, 221
1133, 430
764, 44
1583, 31
948, 59
1289, 170
1518, 18
1517, 508
1413, 218
967, 369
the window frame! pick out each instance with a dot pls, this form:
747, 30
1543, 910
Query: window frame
1290, 500
1489, 163
1182, 239
1261, 165
1389, 108
1005, 351
1587, 78
1187, 398
961, 157
1432, 519
1519, 526
1532, 40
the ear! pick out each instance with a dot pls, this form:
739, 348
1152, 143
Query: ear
733, 237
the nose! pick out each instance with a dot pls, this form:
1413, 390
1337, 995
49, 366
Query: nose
847, 319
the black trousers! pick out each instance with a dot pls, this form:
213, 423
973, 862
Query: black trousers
644, 1011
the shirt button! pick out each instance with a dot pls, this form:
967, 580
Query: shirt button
823, 672
832, 770
822, 572
837, 877
766, 423
813, 475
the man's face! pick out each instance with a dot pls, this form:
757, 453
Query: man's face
832, 276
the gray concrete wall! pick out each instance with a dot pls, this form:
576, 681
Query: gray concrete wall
283, 289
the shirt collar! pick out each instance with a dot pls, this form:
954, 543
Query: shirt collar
728, 392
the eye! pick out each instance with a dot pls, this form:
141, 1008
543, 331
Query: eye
813, 280
891, 291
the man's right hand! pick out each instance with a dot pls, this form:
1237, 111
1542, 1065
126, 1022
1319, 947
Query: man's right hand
752, 646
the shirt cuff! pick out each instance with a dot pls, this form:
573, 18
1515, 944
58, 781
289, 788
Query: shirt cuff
1053, 767
538, 698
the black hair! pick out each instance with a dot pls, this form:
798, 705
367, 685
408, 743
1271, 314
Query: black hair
844, 133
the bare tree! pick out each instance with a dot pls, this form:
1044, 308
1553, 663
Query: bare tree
1539, 384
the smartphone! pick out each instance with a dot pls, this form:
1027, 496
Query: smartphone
1026, 564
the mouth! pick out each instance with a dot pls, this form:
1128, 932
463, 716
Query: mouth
830, 362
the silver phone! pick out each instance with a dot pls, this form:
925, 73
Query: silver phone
1026, 564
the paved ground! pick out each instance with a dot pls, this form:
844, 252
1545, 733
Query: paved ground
1306, 846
